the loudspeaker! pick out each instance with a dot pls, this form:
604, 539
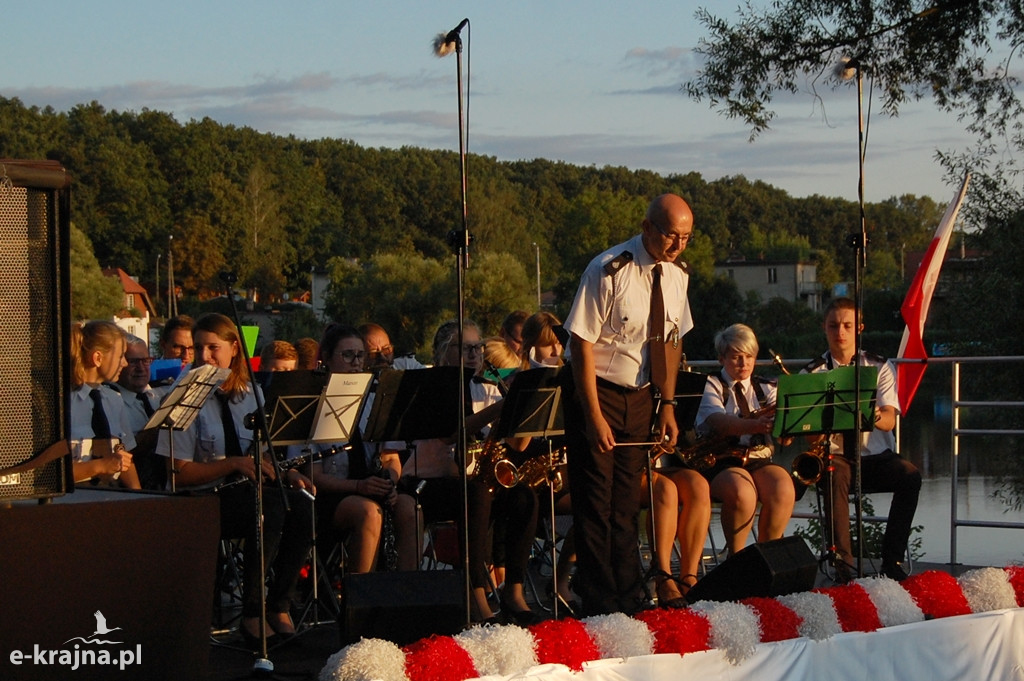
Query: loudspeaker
781, 566
402, 607
35, 297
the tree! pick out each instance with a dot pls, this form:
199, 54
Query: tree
945, 49
407, 294
93, 295
497, 284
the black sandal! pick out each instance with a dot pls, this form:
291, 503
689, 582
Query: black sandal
676, 602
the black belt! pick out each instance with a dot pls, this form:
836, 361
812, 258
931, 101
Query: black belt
621, 389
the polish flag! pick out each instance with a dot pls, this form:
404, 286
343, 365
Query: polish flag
919, 297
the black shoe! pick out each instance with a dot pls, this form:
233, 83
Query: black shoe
252, 641
894, 571
522, 618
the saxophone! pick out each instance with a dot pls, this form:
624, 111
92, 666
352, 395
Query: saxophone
706, 452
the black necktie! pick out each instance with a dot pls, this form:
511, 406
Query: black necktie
232, 447
741, 399
146, 406
659, 364
100, 424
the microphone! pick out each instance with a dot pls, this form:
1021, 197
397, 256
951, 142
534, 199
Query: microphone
848, 66
446, 43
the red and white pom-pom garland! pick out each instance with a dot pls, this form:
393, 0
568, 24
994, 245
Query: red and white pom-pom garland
735, 628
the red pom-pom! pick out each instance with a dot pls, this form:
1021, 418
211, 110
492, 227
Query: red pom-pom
854, 608
1015, 573
564, 642
778, 623
938, 594
438, 658
677, 631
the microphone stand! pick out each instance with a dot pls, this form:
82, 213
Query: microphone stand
459, 240
262, 666
858, 241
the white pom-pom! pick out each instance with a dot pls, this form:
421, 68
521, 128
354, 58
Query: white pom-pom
893, 603
818, 613
617, 635
988, 589
735, 628
499, 650
369, 659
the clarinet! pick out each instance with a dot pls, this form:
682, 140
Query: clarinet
387, 530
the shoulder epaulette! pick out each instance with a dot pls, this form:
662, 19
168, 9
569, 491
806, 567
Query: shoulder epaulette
813, 364
113, 386
683, 265
617, 263
875, 358
764, 380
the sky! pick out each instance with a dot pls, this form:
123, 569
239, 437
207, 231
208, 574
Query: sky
596, 83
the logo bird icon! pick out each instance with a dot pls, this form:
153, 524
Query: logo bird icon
101, 624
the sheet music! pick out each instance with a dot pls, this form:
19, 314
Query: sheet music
181, 405
339, 407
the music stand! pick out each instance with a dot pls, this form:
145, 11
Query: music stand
533, 408
417, 404
824, 403
689, 391
409, 405
311, 407
182, 404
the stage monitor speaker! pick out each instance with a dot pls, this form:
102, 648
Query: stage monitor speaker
402, 607
35, 297
775, 568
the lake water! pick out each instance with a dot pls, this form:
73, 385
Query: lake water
979, 546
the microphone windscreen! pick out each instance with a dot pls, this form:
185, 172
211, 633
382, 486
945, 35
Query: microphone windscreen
442, 48
845, 69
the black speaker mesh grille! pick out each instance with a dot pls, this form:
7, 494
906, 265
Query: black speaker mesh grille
31, 410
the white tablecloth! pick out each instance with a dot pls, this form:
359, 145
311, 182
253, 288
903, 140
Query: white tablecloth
985, 646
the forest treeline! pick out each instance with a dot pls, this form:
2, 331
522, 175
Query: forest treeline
273, 208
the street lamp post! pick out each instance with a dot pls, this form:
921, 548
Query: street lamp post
170, 277
536, 248
156, 285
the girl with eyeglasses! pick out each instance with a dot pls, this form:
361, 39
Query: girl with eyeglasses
356, 485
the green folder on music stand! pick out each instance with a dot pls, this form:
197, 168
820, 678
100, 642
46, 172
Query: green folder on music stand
810, 404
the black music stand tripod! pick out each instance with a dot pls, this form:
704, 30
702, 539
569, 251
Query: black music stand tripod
408, 406
825, 403
689, 391
305, 408
533, 408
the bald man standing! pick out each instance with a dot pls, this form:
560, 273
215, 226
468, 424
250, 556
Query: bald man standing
626, 323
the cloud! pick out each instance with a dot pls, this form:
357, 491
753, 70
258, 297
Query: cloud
678, 61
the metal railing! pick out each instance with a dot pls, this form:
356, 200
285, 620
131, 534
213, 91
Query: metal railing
956, 433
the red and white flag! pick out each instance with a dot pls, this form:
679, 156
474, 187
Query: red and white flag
919, 297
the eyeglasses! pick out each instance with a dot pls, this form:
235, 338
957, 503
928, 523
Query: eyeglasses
184, 349
384, 350
681, 238
470, 348
139, 360
352, 355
